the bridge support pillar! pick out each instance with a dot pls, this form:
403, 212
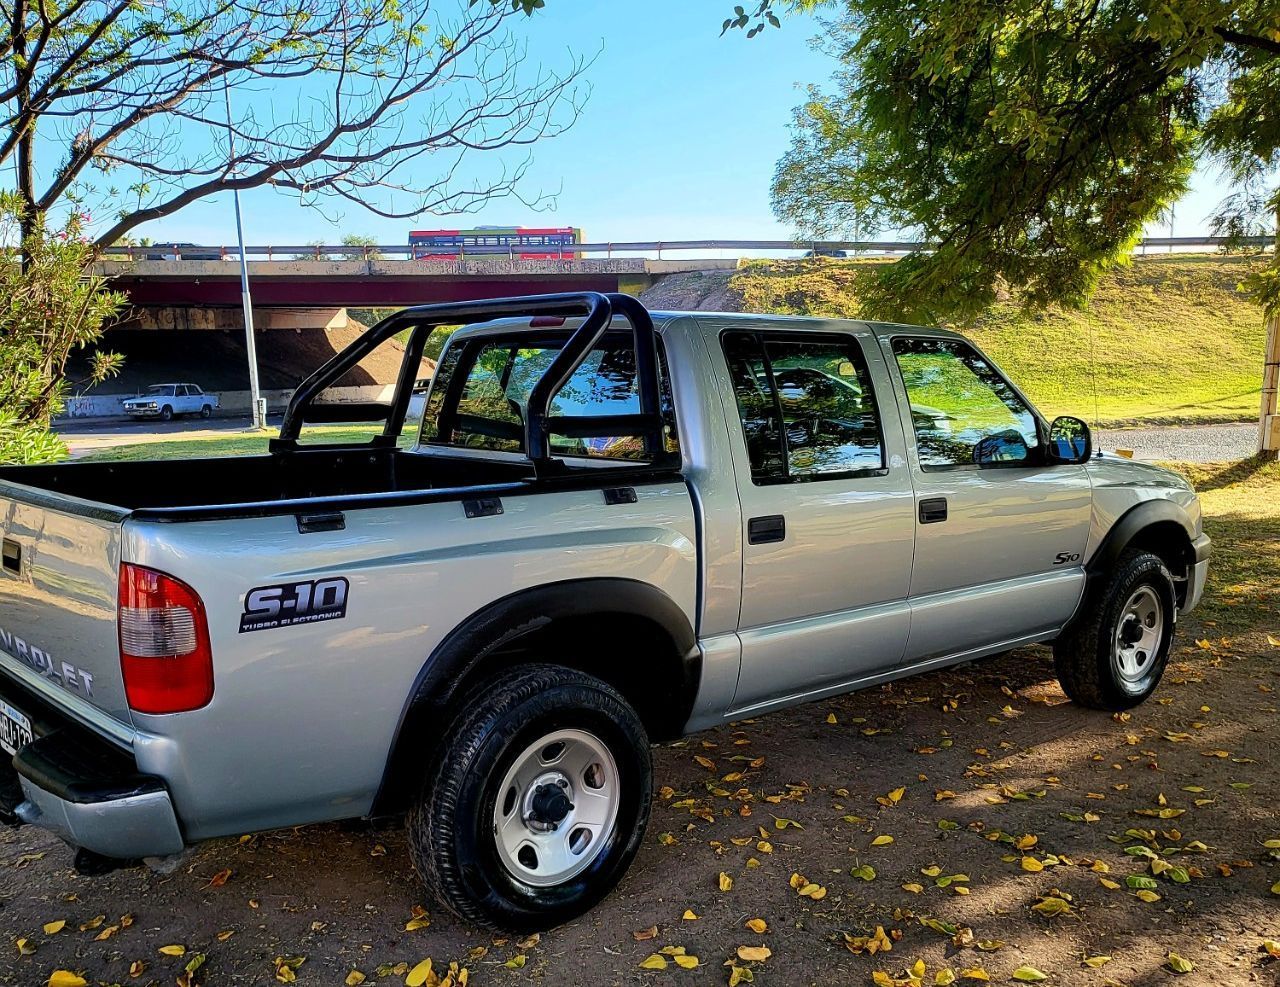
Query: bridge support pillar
634, 284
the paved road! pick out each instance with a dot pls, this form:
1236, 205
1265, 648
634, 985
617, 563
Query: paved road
88, 436
1191, 443
1196, 443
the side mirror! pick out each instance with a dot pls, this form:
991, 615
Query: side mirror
1003, 447
1069, 441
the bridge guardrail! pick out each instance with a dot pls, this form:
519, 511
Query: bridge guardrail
608, 249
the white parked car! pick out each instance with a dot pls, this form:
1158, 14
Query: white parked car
163, 401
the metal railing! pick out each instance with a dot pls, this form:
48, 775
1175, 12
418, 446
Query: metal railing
405, 251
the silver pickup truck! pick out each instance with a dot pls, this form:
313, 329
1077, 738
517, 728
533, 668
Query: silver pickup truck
613, 527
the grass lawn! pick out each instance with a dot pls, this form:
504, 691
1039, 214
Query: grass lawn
1241, 503
205, 446
1167, 339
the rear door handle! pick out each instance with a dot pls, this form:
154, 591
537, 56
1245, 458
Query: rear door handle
762, 530
933, 510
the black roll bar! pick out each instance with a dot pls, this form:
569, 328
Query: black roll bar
597, 311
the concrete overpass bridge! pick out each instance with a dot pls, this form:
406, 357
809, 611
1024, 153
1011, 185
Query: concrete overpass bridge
182, 294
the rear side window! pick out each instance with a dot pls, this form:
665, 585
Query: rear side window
491, 406
806, 406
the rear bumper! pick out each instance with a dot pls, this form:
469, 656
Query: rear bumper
83, 788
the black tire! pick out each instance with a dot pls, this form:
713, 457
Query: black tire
166, 414
206, 411
1087, 656
453, 838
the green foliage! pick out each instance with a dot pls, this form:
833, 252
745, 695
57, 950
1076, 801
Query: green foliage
369, 243
48, 308
1029, 141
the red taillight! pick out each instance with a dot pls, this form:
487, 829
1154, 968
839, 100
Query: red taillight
546, 322
164, 643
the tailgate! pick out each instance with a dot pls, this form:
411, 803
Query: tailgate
58, 586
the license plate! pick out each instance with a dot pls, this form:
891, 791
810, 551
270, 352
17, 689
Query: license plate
15, 728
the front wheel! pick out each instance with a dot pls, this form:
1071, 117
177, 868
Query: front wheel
1114, 656
166, 414
538, 801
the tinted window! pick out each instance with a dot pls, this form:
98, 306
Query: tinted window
806, 406
491, 406
962, 409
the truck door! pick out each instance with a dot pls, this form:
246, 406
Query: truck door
999, 533
827, 511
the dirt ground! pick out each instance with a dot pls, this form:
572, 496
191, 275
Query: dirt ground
998, 794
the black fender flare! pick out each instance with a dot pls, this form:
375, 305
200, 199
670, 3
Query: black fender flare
439, 681
1129, 524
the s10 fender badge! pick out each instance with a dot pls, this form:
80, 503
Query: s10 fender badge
267, 607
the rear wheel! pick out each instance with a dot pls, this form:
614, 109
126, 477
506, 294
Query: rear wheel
1114, 656
166, 414
206, 410
538, 800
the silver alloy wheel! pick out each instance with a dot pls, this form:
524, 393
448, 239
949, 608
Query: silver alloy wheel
1138, 636
556, 808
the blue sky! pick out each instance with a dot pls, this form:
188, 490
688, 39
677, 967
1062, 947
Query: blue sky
678, 140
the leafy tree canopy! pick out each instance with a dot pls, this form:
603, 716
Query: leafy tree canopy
1029, 140
48, 308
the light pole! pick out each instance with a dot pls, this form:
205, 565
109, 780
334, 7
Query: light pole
258, 407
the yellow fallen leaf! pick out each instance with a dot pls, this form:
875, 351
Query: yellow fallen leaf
757, 925
726, 882
754, 954
1179, 964
917, 969
1095, 961
913, 888
1273, 641
895, 796
643, 934
654, 961
419, 975
355, 978
706, 762
1028, 975
686, 961
740, 975
1032, 865
882, 841
831, 718
945, 977
1147, 896
690, 915
516, 962
174, 950
975, 973
65, 978
1108, 883
220, 878
53, 928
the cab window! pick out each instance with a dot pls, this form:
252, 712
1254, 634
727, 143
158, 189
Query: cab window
490, 412
806, 406
963, 411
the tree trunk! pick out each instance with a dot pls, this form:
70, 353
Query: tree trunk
25, 125
1269, 418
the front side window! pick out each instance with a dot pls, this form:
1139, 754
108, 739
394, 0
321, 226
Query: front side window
963, 411
806, 406
491, 408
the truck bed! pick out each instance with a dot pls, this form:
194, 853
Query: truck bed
300, 475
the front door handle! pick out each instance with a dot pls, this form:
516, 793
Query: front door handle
762, 530
933, 510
